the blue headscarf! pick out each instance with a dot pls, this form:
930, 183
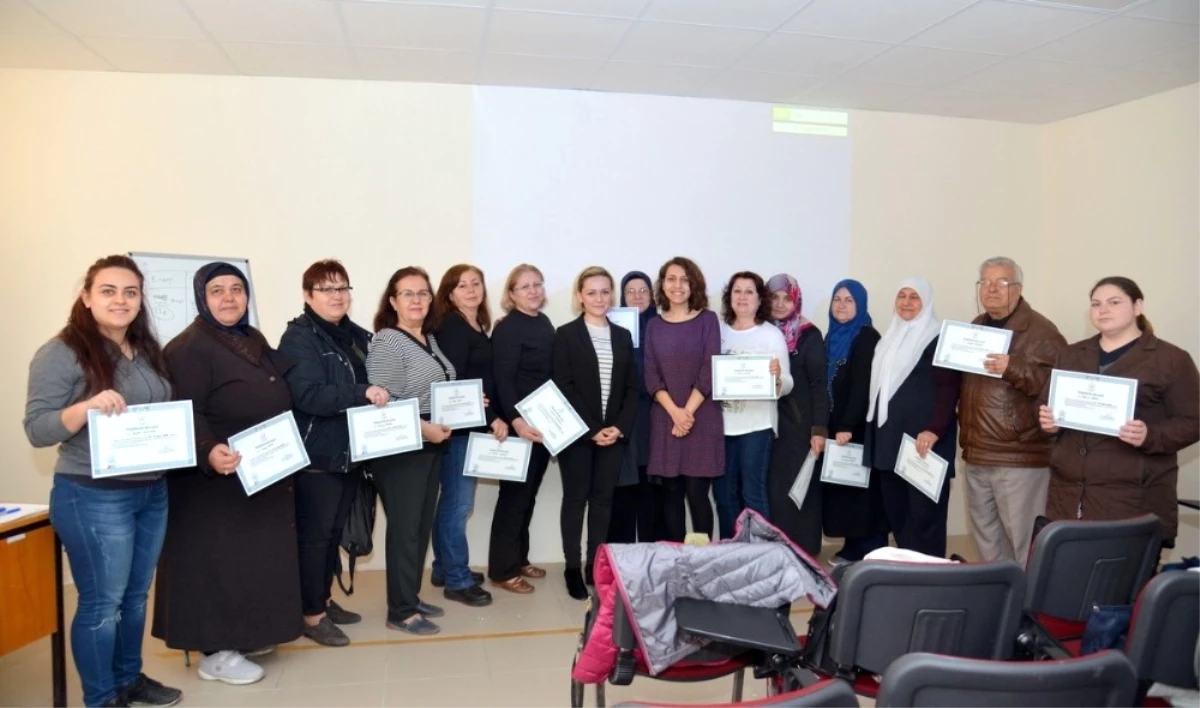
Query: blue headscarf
205, 275
841, 335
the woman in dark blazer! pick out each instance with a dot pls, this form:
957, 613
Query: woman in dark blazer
594, 369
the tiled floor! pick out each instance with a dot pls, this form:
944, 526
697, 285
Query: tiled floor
516, 652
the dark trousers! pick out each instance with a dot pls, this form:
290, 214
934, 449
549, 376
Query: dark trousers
696, 490
589, 476
917, 523
803, 526
322, 505
408, 487
637, 512
508, 548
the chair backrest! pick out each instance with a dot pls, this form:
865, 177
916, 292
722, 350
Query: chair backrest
1165, 629
830, 693
886, 610
1103, 679
1077, 564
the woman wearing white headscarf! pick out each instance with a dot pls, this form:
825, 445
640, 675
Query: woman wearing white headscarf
909, 395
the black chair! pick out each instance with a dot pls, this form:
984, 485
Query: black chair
929, 680
830, 693
1164, 631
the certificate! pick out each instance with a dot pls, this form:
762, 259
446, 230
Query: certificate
489, 459
1091, 402
799, 488
378, 431
270, 451
457, 404
927, 475
742, 377
145, 438
627, 318
548, 410
965, 346
844, 465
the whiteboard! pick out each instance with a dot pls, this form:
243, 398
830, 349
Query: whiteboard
168, 290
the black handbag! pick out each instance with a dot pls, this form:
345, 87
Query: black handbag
360, 524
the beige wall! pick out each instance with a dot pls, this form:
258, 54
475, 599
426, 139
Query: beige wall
285, 171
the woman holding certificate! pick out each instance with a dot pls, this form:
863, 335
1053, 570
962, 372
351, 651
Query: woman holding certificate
461, 322
594, 369
105, 359
687, 435
405, 359
803, 416
227, 582
1131, 469
912, 403
750, 425
523, 355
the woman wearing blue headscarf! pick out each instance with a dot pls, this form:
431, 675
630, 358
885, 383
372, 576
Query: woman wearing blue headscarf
850, 512
229, 576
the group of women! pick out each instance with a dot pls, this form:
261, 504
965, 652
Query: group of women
239, 574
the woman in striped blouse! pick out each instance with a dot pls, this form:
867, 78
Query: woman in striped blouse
594, 369
405, 360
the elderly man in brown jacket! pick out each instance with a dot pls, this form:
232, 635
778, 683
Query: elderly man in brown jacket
1006, 453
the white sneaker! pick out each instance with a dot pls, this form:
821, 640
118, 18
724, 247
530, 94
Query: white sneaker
231, 667
836, 561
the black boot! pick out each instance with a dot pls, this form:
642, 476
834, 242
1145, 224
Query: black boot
575, 586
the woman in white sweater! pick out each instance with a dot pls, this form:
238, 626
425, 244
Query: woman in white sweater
750, 426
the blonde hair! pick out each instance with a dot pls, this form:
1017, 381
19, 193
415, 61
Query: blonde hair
506, 301
592, 272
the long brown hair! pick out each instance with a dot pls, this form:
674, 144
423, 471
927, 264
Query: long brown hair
1130, 288
443, 305
385, 314
98, 354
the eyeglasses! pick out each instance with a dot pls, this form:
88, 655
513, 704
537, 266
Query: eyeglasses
636, 292
338, 290
529, 286
1002, 283
421, 295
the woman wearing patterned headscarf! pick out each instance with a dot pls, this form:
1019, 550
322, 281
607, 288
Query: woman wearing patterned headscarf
228, 580
803, 416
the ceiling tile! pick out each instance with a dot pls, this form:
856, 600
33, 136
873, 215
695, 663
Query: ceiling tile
812, 56
157, 19
545, 72
1003, 28
557, 35
296, 21
952, 102
919, 66
1173, 10
599, 8
174, 56
45, 51
420, 65
1184, 62
758, 86
1028, 77
877, 20
450, 3
1118, 86
625, 77
378, 24
749, 14
322, 61
16, 17
666, 43
867, 95
1118, 41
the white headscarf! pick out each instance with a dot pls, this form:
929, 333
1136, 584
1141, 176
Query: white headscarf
901, 347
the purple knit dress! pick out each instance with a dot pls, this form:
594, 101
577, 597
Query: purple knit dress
678, 359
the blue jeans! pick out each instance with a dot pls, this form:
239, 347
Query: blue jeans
451, 556
112, 538
744, 484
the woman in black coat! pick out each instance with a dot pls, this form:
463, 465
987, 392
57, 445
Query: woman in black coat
594, 369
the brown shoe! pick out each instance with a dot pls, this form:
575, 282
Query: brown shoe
532, 571
517, 585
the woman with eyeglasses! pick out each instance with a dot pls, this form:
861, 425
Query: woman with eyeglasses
330, 375
405, 360
523, 359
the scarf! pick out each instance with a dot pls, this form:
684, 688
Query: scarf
901, 347
343, 334
841, 335
203, 277
795, 323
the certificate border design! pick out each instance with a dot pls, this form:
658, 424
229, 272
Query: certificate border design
472, 438
94, 446
910, 440
286, 472
476, 384
1132, 384
523, 406
828, 478
946, 364
413, 403
632, 330
742, 357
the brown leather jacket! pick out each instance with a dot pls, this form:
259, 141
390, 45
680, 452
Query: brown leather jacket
1102, 478
998, 418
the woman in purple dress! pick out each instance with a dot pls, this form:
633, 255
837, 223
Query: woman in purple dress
687, 434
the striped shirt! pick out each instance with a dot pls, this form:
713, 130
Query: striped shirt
602, 342
405, 367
